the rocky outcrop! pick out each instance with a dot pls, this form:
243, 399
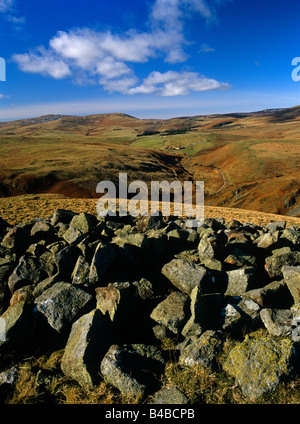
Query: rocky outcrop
110, 290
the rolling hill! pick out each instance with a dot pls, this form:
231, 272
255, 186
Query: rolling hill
247, 160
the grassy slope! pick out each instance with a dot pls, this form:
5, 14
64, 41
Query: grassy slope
247, 161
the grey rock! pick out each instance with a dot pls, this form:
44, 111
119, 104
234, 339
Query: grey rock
291, 275
202, 350
133, 369
277, 321
102, 262
259, 364
144, 288
7, 380
90, 337
65, 261
172, 312
275, 294
275, 226
15, 239
208, 247
119, 304
83, 222
73, 235
267, 240
240, 281
279, 258
80, 275
169, 395
28, 271
62, 304
63, 216
16, 326
184, 275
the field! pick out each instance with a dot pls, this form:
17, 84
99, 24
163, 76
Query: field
247, 161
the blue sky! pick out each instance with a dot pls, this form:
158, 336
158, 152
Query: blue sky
147, 58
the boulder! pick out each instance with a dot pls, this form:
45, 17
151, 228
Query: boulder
16, 326
63, 216
83, 222
30, 270
169, 395
202, 350
291, 275
240, 281
278, 322
279, 258
275, 294
65, 261
90, 337
205, 313
80, 275
102, 262
208, 247
135, 370
62, 304
7, 380
15, 239
172, 312
73, 235
120, 305
259, 364
184, 275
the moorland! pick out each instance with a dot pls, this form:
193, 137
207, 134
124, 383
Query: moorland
248, 161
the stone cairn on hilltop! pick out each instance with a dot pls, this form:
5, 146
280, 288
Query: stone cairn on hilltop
109, 290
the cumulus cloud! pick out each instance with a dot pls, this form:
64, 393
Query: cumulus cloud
43, 63
108, 59
173, 83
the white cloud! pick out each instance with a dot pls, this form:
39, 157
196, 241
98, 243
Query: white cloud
89, 56
173, 83
43, 63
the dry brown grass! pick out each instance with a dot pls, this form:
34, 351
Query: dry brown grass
18, 209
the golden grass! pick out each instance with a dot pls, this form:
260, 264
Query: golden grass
18, 209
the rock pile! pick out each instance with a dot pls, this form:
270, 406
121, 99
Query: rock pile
109, 290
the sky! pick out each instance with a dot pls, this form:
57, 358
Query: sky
148, 58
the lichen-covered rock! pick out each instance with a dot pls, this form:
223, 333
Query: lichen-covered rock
169, 395
277, 321
172, 312
184, 275
83, 222
30, 270
291, 275
61, 305
119, 304
16, 326
80, 275
279, 258
259, 364
240, 281
89, 340
275, 295
202, 350
133, 369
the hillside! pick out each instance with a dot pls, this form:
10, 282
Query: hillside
247, 160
